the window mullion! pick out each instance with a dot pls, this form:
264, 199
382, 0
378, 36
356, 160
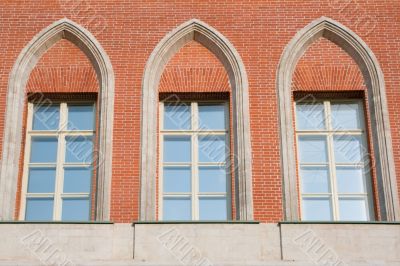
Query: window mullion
332, 164
195, 174
60, 163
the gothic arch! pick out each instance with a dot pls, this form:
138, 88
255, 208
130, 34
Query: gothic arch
374, 79
26, 61
227, 54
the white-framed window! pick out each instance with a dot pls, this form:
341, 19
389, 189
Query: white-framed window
194, 171
333, 161
58, 163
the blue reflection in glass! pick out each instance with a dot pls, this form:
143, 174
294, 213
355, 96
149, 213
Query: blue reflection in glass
212, 149
177, 149
79, 149
177, 209
75, 210
43, 150
41, 180
310, 116
213, 209
177, 117
212, 179
39, 209
212, 117
313, 149
317, 209
77, 180
46, 117
177, 179
353, 209
80, 117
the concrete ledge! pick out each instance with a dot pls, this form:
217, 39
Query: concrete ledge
347, 243
210, 243
43, 243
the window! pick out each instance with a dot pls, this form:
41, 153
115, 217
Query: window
58, 162
194, 155
333, 161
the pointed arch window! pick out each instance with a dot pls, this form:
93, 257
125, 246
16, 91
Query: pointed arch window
23, 66
381, 137
213, 40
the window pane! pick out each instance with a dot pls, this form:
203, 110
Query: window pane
80, 117
46, 117
313, 149
43, 150
75, 210
41, 180
212, 149
353, 209
310, 116
79, 149
177, 179
213, 209
177, 149
346, 116
314, 180
77, 180
212, 179
349, 149
350, 180
39, 209
316, 209
212, 117
176, 209
177, 116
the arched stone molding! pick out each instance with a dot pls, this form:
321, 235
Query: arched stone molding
213, 40
26, 61
374, 79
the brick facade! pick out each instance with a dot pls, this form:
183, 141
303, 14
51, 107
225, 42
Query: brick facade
259, 30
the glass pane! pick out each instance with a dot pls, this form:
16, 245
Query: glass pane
44, 150
349, 149
350, 180
212, 179
79, 149
213, 209
212, 117
75, 210
177, 209
177, 149
310, 116
353, 209
39, 209
314, 180
316, 209
346, 116
46, 117
77, 180
41, 180
212, 149
81, 117
313, 149
177, 179
177, 116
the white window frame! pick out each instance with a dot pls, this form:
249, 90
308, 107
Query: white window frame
61, 134
194, 132
329, 132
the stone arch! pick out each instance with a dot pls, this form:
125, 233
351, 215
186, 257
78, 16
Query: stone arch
374, 80
26, 61
213, 40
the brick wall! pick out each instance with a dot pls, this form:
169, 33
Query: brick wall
259, 30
